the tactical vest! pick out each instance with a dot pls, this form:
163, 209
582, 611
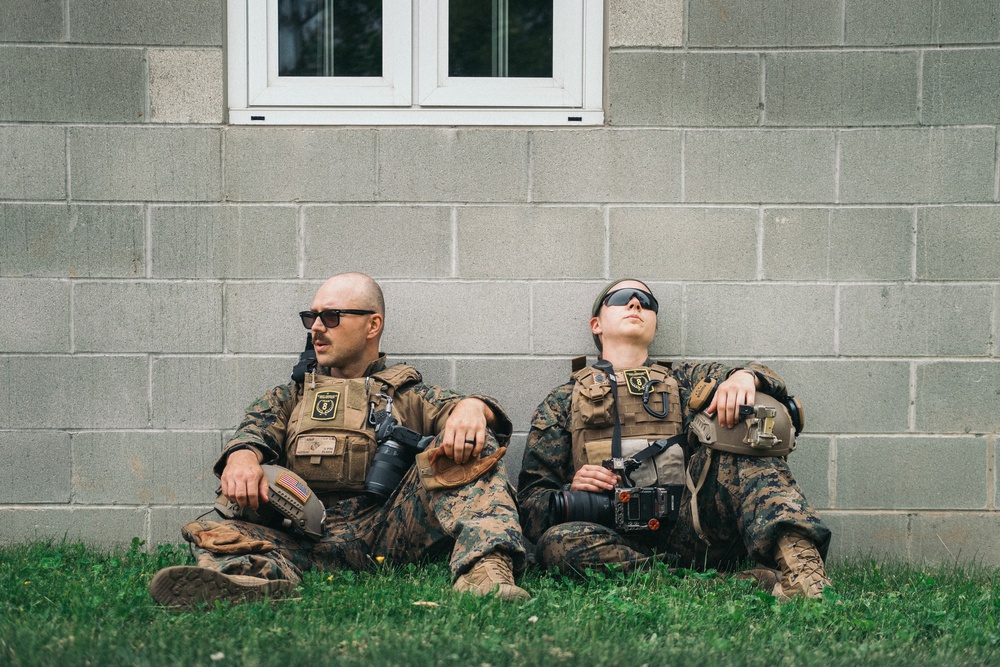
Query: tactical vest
330, 442
593, 420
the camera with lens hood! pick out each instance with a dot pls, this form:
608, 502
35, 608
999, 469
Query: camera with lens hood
396, 450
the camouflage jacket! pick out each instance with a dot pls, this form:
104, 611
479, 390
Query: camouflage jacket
418, 406
547, 464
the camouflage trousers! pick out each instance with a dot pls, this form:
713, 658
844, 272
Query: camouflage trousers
745, 505
414, 524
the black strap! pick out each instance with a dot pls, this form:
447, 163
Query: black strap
307, 362
658, 447
616, 437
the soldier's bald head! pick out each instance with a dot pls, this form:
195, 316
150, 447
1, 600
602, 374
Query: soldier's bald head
360, 290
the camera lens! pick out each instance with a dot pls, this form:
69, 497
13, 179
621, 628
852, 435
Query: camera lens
581, 506
390, 463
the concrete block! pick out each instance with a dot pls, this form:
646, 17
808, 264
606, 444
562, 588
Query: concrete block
263, 318
185, 86
911, 472
74, 392
206, 392
457, 318
144, 467
283, 164
33, 21
147, 317
714, 244
437, 371
958, 243
915, 320
446, 164
958, 397
838, 244
32, 162
519, 384
775, 23
862, 536
74, 241
146, 164
514, 458
931, 22
103, 528
684, 89
165, 522
759, 166
38, 466
795, 319
36, 316
917, 165
72, 85
646, 23
840, 396
957, 537
535, 242
170, 22
561, 318
810, 463
225, 242
954, 93
606, 166
841, 89
382, 241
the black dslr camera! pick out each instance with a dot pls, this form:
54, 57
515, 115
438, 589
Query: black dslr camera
397, 449
627, 508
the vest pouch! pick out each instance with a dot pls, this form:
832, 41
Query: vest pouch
332, 460
595, 405
664, 469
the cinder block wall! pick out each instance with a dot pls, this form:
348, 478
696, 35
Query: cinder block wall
810, 183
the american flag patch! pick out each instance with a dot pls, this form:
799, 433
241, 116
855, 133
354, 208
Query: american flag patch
294, 486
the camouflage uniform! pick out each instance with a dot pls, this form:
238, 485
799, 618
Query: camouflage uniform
744, 505
412, 525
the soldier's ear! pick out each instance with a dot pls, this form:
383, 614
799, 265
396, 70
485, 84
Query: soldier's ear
595, 325
375, 324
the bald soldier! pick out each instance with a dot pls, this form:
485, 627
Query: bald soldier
322, 428
727, 507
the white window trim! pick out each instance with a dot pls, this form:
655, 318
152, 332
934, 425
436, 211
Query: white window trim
422, 95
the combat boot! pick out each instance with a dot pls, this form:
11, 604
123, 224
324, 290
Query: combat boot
186, 586
492, 574
802, 571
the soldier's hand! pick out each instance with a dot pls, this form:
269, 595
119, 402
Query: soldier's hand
465, 431
593, 478
739, 389
243, 480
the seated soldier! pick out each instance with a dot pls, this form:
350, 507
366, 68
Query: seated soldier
322, 427
726, 507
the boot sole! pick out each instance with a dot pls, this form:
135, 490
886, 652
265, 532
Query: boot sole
186, 586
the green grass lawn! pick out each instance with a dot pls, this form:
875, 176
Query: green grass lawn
69, 605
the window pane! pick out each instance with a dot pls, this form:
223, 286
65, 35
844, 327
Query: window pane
500, 38
330, 37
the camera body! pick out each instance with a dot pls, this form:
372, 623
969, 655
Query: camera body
396, 450
626, 508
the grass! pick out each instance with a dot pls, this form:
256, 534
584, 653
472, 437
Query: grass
65, 604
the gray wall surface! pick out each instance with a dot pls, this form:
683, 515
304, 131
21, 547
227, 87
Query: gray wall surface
808, 183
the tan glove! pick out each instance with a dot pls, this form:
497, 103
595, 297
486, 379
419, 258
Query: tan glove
221, 539
437, 471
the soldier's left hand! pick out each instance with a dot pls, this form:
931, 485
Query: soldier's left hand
465, 431
739, 389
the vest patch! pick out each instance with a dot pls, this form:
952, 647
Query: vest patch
325, 405
636, 380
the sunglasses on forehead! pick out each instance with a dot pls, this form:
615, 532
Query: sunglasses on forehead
330, 317
621, 297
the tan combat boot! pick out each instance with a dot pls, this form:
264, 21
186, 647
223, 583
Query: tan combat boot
802, 571
186, 586
492, 574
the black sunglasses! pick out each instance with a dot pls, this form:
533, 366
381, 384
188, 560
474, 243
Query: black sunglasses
621, 297
330, 316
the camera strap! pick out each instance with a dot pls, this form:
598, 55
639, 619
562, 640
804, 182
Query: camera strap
660, 446
616, 437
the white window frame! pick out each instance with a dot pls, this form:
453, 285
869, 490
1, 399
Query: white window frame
415, 88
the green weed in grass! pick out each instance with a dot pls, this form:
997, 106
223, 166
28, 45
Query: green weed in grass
65, 604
